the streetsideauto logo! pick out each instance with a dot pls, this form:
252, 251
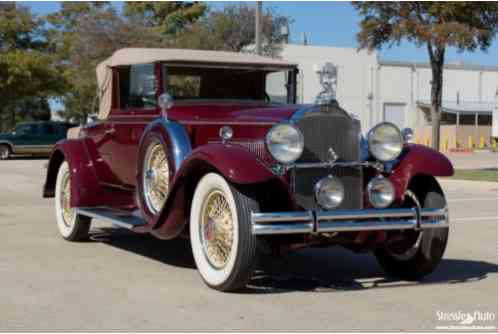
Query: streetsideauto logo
466, 320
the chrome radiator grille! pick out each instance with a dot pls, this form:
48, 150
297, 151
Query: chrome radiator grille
322, 130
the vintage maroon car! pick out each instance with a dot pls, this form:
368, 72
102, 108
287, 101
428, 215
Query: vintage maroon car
211, 145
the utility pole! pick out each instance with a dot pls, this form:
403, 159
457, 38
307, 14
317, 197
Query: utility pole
258, 27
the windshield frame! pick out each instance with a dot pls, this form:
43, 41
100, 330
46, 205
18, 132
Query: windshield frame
291, 85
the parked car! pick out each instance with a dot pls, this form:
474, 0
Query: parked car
32, 138
189, 143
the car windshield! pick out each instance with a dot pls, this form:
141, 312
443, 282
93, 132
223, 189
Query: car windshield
207, 83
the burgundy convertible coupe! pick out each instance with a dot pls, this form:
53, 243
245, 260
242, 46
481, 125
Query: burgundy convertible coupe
211, 145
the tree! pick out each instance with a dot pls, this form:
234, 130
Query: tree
168, 18
232, 29
467, 26
27, 70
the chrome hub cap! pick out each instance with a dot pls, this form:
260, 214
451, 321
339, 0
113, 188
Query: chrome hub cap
156, 178
67, 211
4, 152
216, 229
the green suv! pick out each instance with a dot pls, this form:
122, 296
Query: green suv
32, 138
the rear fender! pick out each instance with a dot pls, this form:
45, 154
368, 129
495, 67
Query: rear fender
85, 166
237, 164
418, 160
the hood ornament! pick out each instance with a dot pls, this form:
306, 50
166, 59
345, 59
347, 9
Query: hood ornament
333, 155
328, 79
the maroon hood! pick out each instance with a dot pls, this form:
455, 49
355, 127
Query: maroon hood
226, 113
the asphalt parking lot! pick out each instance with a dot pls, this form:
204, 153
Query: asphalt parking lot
122, 281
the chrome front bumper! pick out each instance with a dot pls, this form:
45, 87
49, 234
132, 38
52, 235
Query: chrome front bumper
348, 220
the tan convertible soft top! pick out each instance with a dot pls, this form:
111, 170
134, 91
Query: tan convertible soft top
134, 56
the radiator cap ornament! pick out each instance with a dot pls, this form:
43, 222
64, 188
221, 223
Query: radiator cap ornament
333, 155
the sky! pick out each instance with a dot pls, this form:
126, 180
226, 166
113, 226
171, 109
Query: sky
331, 24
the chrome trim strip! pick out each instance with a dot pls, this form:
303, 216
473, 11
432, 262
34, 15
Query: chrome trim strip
119, 218
368, 225
282, 217
366, 214
348, 220
332, 164
287, 228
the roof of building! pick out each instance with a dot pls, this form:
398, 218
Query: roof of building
465, 67
463, 108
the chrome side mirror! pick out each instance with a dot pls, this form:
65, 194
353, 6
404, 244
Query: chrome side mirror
407, 134
165, 101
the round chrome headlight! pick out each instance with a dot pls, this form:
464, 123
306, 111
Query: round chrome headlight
380, 192
385, 142
285, 143
329, 192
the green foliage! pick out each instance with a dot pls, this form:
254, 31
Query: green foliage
56, 55
28, 71
232, 29
166, 17
467, 26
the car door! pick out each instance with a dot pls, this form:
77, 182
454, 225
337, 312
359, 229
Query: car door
27, 138
137, 107
48, 136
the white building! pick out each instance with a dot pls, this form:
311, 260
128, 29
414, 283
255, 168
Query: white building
399, 92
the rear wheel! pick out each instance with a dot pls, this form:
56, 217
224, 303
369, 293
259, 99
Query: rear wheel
418, 253
72, 227
4, 152
224, 248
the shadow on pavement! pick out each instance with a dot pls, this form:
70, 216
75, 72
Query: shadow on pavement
28, 157
315, 269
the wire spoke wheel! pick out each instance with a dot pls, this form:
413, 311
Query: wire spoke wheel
216, 229
67, 211
156, 177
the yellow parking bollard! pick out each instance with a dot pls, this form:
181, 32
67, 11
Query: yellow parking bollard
446, 144
482, 143
471, 144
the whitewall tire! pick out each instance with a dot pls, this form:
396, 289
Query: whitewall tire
224, 248
72, 227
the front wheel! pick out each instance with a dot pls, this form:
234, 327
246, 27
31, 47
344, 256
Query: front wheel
72, 227
4, 152
224, 248
418, 253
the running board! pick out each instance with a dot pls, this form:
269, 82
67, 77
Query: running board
120, 218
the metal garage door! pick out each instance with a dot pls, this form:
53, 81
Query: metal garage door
395, 113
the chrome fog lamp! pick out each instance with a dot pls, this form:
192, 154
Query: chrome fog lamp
285, 142
385, 142
329, 192
380, 192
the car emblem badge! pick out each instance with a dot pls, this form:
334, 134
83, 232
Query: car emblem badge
333, 155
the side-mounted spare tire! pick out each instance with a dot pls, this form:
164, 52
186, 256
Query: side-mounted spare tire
154, 176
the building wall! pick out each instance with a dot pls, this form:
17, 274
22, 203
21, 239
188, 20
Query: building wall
355, 75
390, 85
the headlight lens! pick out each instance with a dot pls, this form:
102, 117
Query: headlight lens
380, 192
385, 142
285, 143
329, 192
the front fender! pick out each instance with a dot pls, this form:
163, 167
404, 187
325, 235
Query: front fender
418, 160
237, 164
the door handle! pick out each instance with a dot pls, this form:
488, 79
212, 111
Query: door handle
110, 131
